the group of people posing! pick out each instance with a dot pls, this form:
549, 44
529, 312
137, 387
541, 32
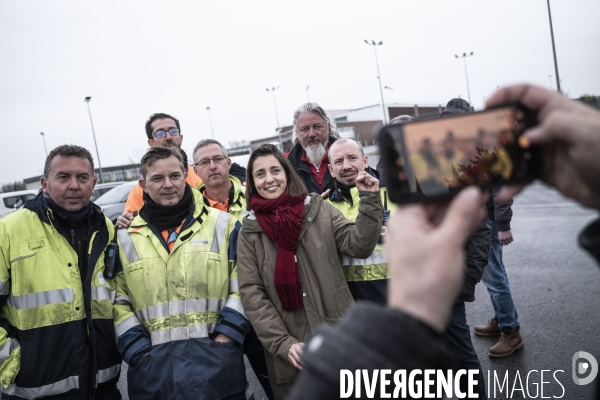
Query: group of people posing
209, 262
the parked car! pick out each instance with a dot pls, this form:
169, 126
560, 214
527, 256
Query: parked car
113, 201
12, 201
102, 188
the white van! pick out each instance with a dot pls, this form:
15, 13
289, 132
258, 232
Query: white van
12, 201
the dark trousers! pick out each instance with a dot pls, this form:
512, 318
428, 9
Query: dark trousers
254, 350
459, 342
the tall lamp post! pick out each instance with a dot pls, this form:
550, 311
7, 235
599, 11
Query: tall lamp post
87, 100
272, 90
375, 44
553, 49
307, 93
45, 148
464, 57
212, 131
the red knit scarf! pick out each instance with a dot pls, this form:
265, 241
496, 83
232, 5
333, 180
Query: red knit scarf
281, 219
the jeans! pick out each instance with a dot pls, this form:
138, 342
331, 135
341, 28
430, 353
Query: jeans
459, 342
496, 281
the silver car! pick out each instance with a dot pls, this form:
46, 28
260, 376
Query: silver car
113, 201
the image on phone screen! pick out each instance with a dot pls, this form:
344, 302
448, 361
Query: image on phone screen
436, 158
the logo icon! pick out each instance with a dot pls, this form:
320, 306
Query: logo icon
583, 367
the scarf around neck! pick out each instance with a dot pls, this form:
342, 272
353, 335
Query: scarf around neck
73, 218
281, 219
167, 217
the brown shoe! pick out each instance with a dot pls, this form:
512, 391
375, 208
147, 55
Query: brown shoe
507, 345
491, 329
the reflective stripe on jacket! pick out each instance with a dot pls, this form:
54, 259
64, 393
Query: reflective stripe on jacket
373, 267
56, 334
178, 300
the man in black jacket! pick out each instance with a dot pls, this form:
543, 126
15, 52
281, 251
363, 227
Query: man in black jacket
57, 338
313, 134
477, 247
426, 260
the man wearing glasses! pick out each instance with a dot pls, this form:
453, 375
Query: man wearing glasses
163, 131
223, 191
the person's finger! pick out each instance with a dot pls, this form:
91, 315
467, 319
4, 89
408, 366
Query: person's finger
464, 214
325, 194
556, 128
508, 192
514, 94
534, 98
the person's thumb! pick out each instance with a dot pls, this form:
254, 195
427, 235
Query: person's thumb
463, 215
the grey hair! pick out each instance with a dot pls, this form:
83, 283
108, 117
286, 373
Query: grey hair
207, 142
314, 108
342, 141
401, 118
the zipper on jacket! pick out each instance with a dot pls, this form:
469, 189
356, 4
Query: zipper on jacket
73, 236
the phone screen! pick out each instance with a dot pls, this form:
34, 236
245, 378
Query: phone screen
437, 158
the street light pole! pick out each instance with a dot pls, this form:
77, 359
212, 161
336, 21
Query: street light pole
553, 49
212, 131
307, 93
45, 148
272, 90
464, 57
375, 44
87, 100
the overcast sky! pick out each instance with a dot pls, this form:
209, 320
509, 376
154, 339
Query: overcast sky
136, 58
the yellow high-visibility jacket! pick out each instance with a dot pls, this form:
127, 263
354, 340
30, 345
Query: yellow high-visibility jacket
237, 198
175, 301
56, 332
367, 278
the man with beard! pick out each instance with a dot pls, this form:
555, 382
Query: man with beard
313, 134
367, 278
179, 319
162, 130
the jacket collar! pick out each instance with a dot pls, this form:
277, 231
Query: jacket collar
197, 209
39, 206
237, 193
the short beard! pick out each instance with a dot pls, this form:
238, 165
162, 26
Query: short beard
315, 154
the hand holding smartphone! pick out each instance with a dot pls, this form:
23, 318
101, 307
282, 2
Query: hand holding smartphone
434, 159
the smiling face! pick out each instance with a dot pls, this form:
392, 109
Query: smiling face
70, 182
214, 174
346, 161
165, 124
165, 181
269, 177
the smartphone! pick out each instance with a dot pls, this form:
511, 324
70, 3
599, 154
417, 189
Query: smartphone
434, 159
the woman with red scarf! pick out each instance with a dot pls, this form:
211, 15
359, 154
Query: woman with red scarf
289, 269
